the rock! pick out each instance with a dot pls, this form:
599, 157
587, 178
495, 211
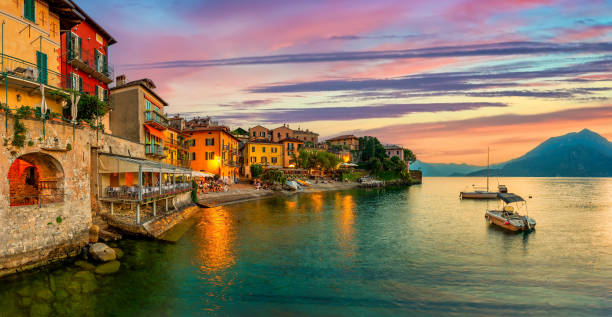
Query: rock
108, 268
94, 232
52, 284
61, 294
24, 302
102, 252
73, 288
24, 291
44, 295
84, 276
85, 265
40, 310
119, 252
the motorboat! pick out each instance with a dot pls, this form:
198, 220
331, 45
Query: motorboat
508, 217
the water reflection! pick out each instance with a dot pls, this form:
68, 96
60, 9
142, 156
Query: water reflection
345, 209
215, 243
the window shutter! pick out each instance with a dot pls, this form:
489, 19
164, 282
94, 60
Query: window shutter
69, 47
80, 47
80, 84
97, 92
105, 65
45, 72
96, 58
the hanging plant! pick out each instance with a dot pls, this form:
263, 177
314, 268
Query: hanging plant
19, 131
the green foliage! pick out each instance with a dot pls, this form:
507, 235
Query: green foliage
24, 112
68, 146
30, 143
409, 156
194, 191
240, 131
315, 159
89, 108
351, 175
370, 147
274, 176
19, 131
58, 219
256, 170
374, 159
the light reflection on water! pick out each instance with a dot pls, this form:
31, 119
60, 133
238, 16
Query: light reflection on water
417, 250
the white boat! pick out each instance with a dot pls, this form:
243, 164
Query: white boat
508, 217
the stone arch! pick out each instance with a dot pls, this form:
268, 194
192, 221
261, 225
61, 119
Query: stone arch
35, 179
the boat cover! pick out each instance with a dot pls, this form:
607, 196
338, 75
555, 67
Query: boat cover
509, 198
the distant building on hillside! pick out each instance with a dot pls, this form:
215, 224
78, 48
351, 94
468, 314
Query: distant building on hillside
310, 138
396, 150
349, 142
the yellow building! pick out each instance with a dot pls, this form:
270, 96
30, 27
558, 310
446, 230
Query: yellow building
264, 153
31, 51
176, 148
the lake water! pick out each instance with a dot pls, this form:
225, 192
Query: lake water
398, 251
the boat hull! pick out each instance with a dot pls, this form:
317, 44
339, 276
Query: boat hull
508, 224
478, 195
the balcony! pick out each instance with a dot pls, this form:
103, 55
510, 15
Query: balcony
176, 143
156, 120
86, 61
155, 150
22, 74
180, 163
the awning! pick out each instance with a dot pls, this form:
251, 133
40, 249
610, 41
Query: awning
509, 198
108, 163
201, 174
155, 132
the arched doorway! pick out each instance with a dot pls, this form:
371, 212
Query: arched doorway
36, 179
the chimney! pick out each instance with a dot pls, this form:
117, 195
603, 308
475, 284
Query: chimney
120, 80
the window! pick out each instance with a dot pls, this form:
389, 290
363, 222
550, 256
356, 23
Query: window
210, 141
264, 159
100, 60
254, 134
290, 146
278, 135
192, 156
147, 105
190, 142
29, 10
252, 149
100, 92
274, 150
263, 149
41, 63
274, 160
76, 82
74, 46
287, 135
253, 159
262, 134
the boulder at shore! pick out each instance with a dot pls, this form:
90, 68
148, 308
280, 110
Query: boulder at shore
102, 252
108, 268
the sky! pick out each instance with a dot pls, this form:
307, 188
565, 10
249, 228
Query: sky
445, 78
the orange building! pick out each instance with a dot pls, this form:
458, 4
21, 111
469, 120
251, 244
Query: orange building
290, 146
213, 149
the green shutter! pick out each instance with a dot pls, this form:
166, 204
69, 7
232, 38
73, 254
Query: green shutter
80, 84
29, 10
41, 64
97, 95
69, 47
105, 65
80, 48
96, 54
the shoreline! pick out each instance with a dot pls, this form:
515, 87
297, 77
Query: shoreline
211, 200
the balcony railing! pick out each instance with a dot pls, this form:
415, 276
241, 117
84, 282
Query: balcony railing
22, 70
180, 163
86, 61
177, 143
154, 149
154, 118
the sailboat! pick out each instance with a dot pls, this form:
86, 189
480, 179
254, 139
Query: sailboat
483, 193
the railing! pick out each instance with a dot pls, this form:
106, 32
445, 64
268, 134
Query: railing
24, 70
181, 144
148, 192
88, 58
181, 163
154, 116
154, 149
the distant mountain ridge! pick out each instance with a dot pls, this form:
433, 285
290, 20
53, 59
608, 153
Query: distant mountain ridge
576, 154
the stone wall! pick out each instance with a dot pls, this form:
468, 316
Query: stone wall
31, 235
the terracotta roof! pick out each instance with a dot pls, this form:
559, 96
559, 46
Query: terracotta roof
96, 26
343, 137
214, 128
393, 147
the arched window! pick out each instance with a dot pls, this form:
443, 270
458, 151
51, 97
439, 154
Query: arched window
36, 179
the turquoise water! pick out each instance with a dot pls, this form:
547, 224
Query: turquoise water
417, 250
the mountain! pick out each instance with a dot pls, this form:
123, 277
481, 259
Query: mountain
577, 154
441, 169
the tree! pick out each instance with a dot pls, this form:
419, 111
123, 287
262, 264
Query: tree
370, 147
274, 176
256, 170
409, 156
89, 108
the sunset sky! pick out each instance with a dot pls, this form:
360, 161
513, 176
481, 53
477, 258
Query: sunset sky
443, 78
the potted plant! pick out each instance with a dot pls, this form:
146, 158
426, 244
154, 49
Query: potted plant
56, 117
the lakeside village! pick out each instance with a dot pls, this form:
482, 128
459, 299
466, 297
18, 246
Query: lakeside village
86, 159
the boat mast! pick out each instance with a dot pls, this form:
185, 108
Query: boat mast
487, 169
